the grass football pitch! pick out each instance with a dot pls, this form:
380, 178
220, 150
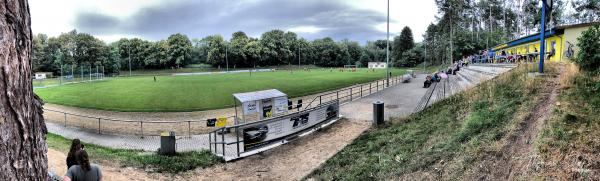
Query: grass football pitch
195, 93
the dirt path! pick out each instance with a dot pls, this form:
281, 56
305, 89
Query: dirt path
518, 157
287, 162
291, 161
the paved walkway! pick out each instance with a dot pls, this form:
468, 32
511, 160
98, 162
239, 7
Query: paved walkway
399, 100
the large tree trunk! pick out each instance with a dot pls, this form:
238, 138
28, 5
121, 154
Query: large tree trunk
22, 129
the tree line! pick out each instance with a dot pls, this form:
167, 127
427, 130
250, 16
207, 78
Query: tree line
272, 48
464, 27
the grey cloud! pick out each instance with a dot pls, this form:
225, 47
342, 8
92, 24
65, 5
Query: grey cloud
202, 18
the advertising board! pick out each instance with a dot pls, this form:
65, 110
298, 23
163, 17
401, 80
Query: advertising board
270, 131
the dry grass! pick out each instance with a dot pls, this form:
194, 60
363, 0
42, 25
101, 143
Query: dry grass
445, 141
569, 143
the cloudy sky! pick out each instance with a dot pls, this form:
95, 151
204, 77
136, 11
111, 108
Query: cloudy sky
358, 20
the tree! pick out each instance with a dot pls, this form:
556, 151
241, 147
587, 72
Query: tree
586, 10
216, 50
40, 42
274, 46
22, 128
180, 49
402, 43
588, 56
253, 52
412, 57
236, 53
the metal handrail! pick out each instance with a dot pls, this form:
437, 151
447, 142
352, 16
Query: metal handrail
392, 79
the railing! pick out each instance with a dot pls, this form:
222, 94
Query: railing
351, 93
145, 128
440, 89
526, 56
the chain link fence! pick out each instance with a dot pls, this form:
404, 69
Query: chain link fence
71, 74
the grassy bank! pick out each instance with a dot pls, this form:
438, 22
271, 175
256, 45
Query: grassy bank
452, 133
135, 158
569, 144
194, 93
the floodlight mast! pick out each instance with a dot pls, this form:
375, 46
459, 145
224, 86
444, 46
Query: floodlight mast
387, 49
226, 60
542, 37
129, 54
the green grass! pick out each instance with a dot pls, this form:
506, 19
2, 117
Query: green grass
459, 126
193, 93
147, 160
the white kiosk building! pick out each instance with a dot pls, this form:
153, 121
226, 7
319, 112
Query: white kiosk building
259, 105
377, 65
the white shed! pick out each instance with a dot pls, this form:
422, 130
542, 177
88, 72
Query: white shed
377, 65
261, 105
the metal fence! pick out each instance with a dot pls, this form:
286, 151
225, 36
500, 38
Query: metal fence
351, 93
103, 125
72, 74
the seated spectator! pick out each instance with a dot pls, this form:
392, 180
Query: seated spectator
75, 146
427, 82
84, 171
455, 69
437, 77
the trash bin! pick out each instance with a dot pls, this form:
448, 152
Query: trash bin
167, 143
378, 113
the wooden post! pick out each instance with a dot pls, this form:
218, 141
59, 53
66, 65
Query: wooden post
361, 90
99, 126
142, 128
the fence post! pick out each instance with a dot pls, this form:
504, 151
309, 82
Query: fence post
189, 129
350, 93
377, 85
215, 138
361, 90
65, 119
142, 128
370, 87
99, 126
319, 99
237, 143
210, 142
223, 140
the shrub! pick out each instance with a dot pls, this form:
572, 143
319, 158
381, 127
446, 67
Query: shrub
588, 56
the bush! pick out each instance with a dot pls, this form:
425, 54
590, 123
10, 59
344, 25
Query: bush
588, 56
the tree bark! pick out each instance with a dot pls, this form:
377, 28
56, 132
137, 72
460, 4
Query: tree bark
22, 129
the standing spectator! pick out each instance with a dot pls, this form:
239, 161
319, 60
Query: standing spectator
84, 171
75, 146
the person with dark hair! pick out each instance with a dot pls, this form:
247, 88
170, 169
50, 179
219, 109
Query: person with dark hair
427, 82
84, 171
75, 146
